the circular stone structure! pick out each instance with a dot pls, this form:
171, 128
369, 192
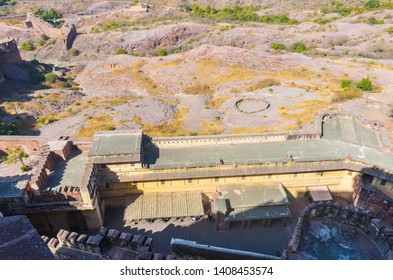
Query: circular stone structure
251, 105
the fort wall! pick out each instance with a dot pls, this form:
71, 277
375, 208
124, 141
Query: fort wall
43, 26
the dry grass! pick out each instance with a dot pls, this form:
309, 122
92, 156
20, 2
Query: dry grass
173, 128
216, 103
198, 88
303, 112
170, 63
207, 67
248, 130
298, 73
98, 123
210, 128
138, 77
234, 74
262, 84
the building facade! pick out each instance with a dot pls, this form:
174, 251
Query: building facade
75, 180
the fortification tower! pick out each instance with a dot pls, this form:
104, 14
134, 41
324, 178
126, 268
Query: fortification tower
9, 52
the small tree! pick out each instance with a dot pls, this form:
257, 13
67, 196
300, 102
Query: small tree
51, 78
27, 46
121, 51
161, 52
14, 155
346, 83
365, 84
278, 46
299, 47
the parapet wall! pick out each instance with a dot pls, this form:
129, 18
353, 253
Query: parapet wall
232, 139
316, 133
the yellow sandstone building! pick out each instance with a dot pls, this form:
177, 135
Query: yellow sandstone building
235, 177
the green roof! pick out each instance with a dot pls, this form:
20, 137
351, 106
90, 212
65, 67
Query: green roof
117, 147
252, 202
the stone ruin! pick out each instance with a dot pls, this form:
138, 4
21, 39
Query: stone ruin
67, 32
251, 105
108, 244
9, 53
375, 229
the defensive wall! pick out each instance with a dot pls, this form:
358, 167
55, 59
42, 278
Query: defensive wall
67, 31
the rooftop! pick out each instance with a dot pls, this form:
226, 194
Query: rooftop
252, 202
163, 205
269, 152
125, 146
68, 172
20, 241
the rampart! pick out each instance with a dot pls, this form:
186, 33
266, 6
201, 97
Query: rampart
67, 32
43, 26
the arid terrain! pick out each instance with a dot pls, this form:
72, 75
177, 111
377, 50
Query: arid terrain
179, 69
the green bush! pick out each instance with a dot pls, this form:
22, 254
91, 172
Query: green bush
390, 30
51, 78
7, 2
51, 120
346, 83
110, 127
365, 84
7, 128
372, 4
47, 15
121, 51
161, 52
373, 20
113, 25
322, 21
41, 120
51, 41
27, 46
23, 168
298, 47
278, 46
237, 13
74, 52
